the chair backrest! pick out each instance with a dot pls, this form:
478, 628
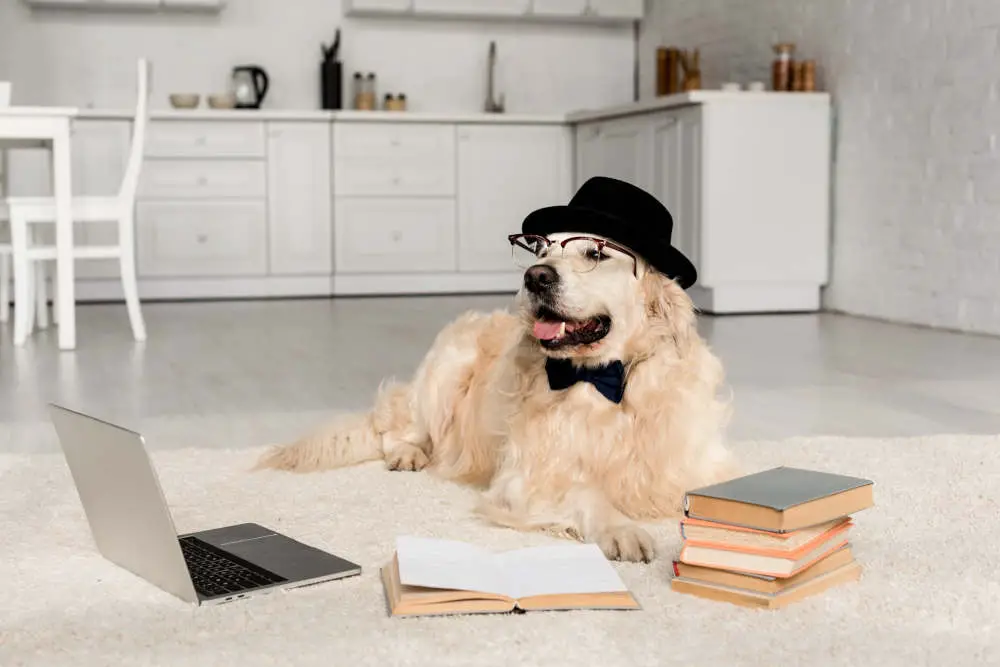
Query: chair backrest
5, 87
130, 182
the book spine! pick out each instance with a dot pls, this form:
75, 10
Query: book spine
677, 570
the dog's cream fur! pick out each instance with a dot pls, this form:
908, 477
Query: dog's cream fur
479, 410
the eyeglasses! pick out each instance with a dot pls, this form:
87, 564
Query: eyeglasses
583, 253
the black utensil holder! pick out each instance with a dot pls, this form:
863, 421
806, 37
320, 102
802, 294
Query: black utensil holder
331, 84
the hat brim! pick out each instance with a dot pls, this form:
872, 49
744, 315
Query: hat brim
664, 257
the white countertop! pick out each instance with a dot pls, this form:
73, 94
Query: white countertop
582, 115
696, 97
327, 116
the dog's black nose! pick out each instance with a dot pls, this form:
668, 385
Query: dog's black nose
540, 278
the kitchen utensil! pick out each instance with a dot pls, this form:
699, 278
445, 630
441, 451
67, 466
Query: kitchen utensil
493, 105
223, 101
249, 86
184, 100
781, 68
691, 64
331, 75
667, 79
330, 52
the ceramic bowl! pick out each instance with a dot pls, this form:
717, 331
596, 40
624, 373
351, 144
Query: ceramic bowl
224, 101
184, 100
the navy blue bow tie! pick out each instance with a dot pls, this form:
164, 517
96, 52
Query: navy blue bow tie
609, 379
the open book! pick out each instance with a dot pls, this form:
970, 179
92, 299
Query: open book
431, 576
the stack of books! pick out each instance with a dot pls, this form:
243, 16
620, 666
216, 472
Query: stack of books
770, 538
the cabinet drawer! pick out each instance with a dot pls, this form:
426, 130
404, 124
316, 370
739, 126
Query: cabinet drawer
394, 235
362, 176
184, 138
201, 238
165, 179
392, 141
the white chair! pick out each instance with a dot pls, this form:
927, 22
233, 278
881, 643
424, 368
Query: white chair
29, 283
5, 247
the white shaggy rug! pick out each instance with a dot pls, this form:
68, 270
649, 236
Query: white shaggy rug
929, 595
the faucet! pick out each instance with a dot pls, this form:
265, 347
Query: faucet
492, 105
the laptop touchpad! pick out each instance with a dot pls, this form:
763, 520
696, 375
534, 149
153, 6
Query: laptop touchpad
289, 558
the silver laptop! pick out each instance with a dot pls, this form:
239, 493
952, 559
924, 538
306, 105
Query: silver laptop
132, 526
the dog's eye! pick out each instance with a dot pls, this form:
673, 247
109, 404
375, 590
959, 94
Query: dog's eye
596, 255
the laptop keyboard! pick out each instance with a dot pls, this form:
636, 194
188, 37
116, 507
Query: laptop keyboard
215, 572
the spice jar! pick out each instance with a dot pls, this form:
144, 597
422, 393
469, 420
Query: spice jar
797, 76
356, 85
365, 98
781, 68
809, 76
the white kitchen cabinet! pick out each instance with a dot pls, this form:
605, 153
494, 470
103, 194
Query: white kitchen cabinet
618, 9
376, 6
605, 11
202, 179
471, 7
618, 148
386, 235
299, 205
209, 5
504, 173
206, 139
675, 176
184, 239
129, 5
746, 180
559, 7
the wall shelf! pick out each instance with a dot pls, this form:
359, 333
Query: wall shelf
590, 11
130, 6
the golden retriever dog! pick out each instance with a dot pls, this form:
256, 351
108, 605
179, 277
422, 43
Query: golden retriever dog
588, 408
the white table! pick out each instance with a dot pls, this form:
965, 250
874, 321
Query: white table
51, 125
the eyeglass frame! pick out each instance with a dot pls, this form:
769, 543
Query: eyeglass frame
601, 245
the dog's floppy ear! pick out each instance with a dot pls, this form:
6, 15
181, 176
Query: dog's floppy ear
669, 307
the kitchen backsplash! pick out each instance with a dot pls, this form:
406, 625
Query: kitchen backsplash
87, 59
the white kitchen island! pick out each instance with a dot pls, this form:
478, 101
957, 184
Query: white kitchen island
261, 203
745, 175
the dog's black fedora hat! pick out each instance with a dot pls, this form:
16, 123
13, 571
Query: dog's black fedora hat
623, 213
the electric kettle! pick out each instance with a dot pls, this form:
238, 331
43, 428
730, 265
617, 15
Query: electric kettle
249, 86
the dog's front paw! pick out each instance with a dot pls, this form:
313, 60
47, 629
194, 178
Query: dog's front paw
406, 457
627, 542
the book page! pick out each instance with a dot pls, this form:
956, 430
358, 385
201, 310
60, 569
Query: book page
558, 570
447, 564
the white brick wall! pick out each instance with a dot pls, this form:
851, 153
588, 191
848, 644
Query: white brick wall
916, 86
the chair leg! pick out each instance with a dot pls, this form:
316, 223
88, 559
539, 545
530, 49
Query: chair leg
23, 305
41, 296
4, 288
129, 284
54, 290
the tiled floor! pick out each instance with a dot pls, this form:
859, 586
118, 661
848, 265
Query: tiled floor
791, 374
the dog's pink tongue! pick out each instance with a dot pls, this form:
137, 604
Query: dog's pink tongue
547, 330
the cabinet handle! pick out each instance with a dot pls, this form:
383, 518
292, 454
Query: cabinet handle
202, 180
202, 238
396, 235
396, 180
200, 141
